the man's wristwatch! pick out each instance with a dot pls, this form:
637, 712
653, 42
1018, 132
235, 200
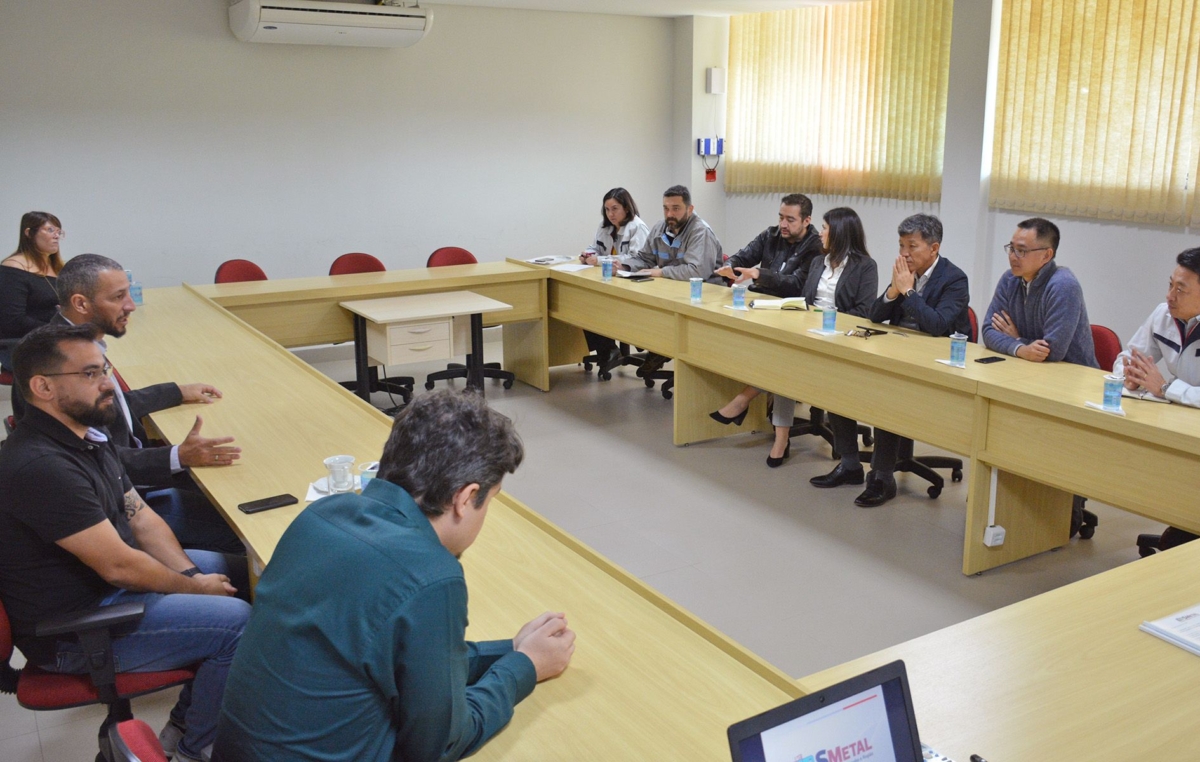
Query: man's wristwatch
192, 572
910, 292
1163, 391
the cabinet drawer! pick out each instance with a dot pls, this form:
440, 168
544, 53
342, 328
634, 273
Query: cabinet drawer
418, 333
418, 351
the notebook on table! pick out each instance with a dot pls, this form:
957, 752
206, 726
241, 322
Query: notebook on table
868, 718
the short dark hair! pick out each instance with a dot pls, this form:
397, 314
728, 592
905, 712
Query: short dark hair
81, 275
1189, 258
1046, 231
444, 441
925, 225
681, 191
800, 200
40, 351
622, 197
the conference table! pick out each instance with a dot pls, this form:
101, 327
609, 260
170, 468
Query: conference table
1025, 421
648, 681
1064, 675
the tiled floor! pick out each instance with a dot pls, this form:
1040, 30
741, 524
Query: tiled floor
798, 575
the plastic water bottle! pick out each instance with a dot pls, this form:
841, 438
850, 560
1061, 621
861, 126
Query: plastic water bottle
1112, 392
697, 289
135, 289
958, 350
829, 319
606, 269
739, 296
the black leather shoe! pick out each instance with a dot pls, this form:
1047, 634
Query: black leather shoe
838, 477
736, 420
777, 462
878, 492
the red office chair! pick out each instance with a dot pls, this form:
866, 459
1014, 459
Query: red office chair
134, 741
357, 262
453, 255
1108, 346
974, 337
239, 271
40, 690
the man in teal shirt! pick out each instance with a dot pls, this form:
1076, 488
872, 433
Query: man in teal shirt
355, 649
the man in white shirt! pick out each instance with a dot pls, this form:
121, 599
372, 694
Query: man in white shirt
1170, 336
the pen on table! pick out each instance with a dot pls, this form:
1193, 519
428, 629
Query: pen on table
977, 758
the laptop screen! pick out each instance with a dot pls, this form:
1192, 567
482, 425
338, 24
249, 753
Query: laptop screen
865, 719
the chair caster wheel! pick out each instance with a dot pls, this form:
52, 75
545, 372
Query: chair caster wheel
587, 367
956, 475
1086, 531
667, 394
605, 377
428, 386
508, 383
649, 383
934, 491
868, 440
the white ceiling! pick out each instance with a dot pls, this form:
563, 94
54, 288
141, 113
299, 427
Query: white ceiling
643, 7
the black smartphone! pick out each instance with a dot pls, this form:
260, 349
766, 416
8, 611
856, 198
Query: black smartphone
989, 360
639, 278
267, 503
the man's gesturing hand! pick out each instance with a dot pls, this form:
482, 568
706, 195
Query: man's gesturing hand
195, 450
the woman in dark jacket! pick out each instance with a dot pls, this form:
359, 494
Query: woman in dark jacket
848, 278
27, 277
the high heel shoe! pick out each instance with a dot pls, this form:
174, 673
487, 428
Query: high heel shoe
777, 462
736, 420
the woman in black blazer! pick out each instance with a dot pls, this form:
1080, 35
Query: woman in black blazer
847, 276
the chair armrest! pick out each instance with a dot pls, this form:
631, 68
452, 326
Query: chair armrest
103, 617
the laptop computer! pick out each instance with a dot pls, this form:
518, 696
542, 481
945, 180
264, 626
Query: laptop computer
868, 717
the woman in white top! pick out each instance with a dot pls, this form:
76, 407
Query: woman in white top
621, 234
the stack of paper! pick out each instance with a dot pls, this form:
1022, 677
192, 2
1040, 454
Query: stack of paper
1181, 628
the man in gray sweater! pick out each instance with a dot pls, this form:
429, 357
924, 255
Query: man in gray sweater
1038, 313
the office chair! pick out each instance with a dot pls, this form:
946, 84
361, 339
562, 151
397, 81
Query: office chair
923, 465
134, 741
356, 262
627, 358
40, 690
238, 271
453, 255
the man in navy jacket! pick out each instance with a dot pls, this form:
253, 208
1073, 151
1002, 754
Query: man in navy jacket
928, 293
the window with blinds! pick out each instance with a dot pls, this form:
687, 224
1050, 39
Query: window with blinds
841, 99
1096, 109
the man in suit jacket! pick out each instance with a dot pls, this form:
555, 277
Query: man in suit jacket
928, 293
95, 291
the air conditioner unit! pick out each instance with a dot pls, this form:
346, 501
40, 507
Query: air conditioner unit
315, 22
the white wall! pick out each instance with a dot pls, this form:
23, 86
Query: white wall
162, 141
1123, 267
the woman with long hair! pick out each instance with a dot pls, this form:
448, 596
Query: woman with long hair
27, 277
621, 234
847, 280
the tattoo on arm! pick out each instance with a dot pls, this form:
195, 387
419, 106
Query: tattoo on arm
133, 504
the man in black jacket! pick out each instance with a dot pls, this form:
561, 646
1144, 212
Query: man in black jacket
95, 290
777, 260
928, 293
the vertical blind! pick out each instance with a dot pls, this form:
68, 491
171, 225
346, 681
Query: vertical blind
1096, 109
843, 99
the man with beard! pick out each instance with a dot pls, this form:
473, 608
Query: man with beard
94, 291
77, 535
681, 247
373, 666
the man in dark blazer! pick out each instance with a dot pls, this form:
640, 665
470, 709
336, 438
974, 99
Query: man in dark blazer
95, 290
928, 293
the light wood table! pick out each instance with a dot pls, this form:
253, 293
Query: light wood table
420, 328
648, 680
1065, 675
299, 312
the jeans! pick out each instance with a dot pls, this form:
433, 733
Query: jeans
179, 630
194, 521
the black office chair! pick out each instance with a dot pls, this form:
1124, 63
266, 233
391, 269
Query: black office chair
628, 357
817, 425
444, 257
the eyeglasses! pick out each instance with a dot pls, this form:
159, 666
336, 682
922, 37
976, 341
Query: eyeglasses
862, 332
53, 231
1013, 251
91, 374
